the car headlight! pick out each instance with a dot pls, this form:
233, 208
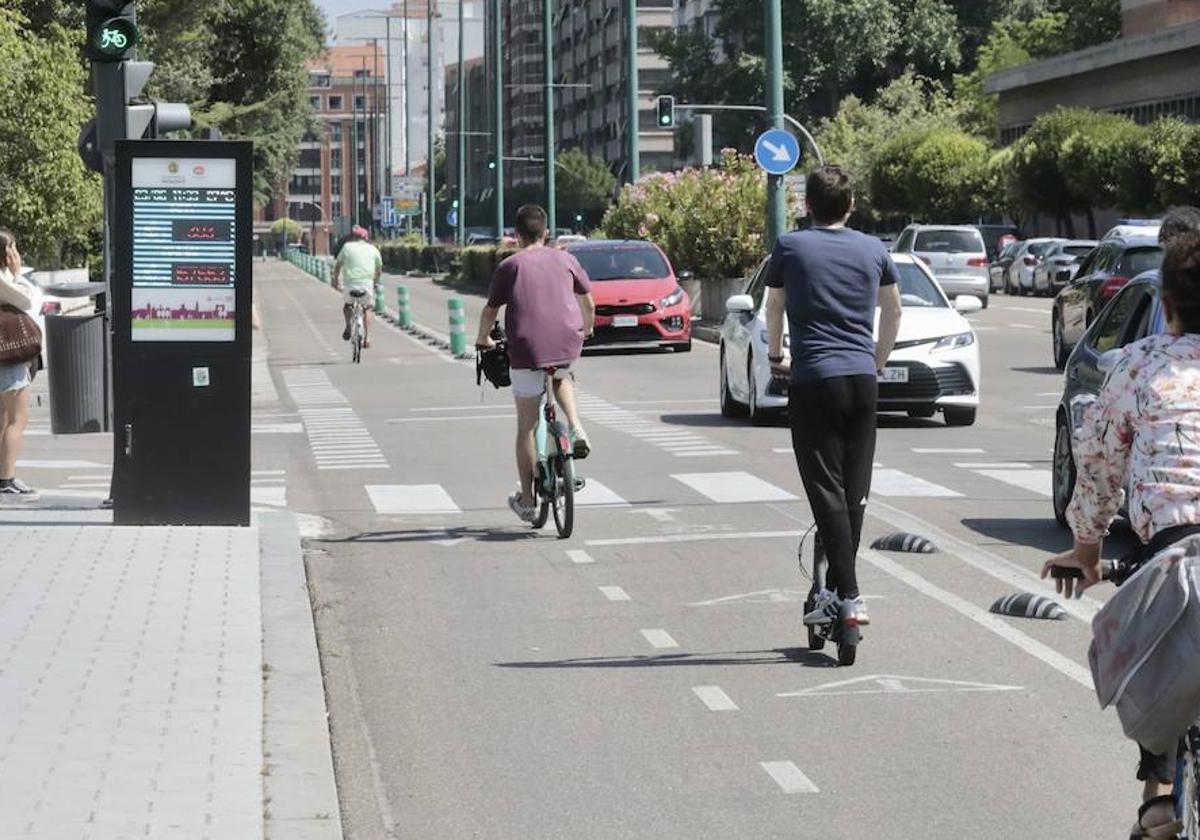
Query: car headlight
953, 342
672, 299
762, 336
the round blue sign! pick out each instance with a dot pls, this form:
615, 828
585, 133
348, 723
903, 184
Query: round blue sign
777, 151
452, 218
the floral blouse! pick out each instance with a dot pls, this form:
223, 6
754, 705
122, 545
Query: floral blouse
1145, 422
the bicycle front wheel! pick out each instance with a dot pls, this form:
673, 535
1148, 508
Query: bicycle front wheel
1189, 802
564, 499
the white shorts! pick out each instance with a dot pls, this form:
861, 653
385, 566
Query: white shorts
368, 299
527, 384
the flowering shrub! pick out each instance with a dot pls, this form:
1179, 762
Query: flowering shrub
709, 221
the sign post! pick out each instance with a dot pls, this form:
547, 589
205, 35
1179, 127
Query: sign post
181, 299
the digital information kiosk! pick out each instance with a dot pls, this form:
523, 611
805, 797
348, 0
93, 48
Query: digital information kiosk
181, 333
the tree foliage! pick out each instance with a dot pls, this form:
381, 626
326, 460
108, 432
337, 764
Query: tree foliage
931, 174
584, 185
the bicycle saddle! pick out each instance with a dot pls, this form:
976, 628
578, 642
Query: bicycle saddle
357, 293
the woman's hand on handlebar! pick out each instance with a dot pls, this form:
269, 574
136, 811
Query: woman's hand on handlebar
1083, 556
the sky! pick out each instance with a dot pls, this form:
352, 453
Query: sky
333, 8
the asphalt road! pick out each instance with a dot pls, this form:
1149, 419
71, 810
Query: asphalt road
649, 677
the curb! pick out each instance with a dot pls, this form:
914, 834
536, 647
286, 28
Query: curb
300, 797
707, 332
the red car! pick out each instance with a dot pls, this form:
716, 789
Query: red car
639, 302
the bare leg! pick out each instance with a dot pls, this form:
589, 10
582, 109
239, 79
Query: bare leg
527, 420
564, 394
14, 414
366, 327
347, 311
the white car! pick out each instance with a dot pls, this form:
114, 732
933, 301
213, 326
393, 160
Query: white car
1025, 262
934, 367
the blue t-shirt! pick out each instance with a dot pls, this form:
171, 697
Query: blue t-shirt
831, 278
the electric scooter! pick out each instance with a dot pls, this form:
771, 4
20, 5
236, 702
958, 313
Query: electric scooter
846, 638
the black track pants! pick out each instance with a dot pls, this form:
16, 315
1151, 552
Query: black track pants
833, 435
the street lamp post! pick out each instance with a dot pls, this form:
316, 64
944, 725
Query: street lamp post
498, 97
633, 169
548, 109
776, 198
431, 193
460, 226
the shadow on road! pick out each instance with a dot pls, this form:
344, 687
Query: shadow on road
1049, 370
776, 656
1045, 534
439, 535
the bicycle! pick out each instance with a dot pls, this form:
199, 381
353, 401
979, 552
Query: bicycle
846, 638
555, 484
358, 326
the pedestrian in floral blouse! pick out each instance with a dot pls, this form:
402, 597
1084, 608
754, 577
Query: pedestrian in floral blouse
1145, 427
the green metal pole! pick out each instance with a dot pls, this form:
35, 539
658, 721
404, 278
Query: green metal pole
431, 178
403, 312
458, 327
498, 96
776, 197
460, 233
633, 168
548, 110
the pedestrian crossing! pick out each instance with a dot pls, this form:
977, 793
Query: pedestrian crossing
339, 440
679, 442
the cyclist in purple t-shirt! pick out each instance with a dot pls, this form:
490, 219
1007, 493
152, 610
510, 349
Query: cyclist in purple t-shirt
549, 312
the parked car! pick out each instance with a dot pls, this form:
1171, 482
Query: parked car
935, 366
998, 268
1059, 264
1134, 313
995, 237
1134, 227
1103, 273
639, 301
1019, 279
955, 253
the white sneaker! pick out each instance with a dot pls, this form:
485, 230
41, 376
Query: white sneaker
524, 512
855, 612
826, 608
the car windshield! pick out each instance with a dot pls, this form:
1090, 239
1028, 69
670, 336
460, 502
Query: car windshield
1078, 250
916, 289
949, 241
1137, 260
1041, 248
625, 263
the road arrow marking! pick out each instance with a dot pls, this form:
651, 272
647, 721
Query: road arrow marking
890, 684
778, 153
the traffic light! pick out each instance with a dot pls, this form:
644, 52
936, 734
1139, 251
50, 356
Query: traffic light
112, 29
491, 164
666, 112
454, 204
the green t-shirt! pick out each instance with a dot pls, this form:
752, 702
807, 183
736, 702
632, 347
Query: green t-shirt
358, 262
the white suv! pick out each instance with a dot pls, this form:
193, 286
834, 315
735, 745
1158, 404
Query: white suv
954, 253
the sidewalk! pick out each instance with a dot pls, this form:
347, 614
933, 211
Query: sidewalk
156, 682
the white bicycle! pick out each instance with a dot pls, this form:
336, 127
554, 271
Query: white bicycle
358, 324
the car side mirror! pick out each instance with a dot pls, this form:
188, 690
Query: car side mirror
739, 305
966, 304
684, 276
1107, 361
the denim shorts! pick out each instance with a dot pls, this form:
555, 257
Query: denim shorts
14, 377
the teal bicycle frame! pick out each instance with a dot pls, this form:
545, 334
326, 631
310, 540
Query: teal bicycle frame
554, 483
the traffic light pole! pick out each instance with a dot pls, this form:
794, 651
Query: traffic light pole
633, 167
498, 97
461, 217
776, 196
548, 108
430, 175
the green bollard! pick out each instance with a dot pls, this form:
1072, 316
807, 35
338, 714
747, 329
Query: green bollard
458, 328
380, 304
403, 313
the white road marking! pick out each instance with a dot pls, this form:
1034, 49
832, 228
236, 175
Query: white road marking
615, 593
788, 776
60, 465
1050, 394
763, 596
102, 477
668, 402
966, 451
630, 422
1022, 326
277, 429
267, 472
702, 453
733, 487
480, 407
1035, 481
339, 440
579, 557
271, 496
1026, 309
997, 465
888, 684
714, 698
784, 450
658, 514
102, 485
1065, 666
595, 494
660, 639
411, 499
686, 538
891, 482
450, 418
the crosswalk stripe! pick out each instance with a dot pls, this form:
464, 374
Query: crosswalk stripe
733, 487
1035, 481
337, 437
595, 494
705, 452
891, 482
411, 499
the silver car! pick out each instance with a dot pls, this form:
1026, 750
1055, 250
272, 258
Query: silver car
954, 253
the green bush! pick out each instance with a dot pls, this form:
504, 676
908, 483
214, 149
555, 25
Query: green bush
933, 174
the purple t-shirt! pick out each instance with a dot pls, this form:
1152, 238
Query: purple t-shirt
543, 321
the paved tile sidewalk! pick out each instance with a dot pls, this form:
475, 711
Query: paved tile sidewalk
130, 683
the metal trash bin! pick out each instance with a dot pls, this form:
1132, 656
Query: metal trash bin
75, 365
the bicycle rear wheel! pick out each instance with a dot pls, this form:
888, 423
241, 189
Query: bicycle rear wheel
1189, 794
564, 499
357, 348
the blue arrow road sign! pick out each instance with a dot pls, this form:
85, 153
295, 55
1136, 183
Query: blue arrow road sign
452, 218
777, 151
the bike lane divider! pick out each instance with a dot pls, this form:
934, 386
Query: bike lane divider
659, 639
615, 593
715, 699
789, 777
580, 558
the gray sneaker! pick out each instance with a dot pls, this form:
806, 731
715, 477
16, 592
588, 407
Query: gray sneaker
826, 608
17, 489
524, 512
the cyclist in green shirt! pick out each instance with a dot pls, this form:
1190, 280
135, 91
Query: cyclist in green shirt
358, 267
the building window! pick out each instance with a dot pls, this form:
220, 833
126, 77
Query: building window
310, 158
335, 185
319, 80
335, 103
360, 103
315, 101
335, 159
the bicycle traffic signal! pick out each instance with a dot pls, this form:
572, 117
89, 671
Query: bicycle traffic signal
112, 29
666, 112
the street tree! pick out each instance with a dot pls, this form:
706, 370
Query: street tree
1171, 150
585, 185
935, 175
1038, 167
1100, 160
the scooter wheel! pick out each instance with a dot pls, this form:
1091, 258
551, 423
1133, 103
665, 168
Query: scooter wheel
815, 642
847, 654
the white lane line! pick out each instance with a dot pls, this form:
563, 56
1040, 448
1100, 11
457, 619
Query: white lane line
784, 450
449, 417
1035, 481
705, 453
100, 485
668, 402
1065, 666
1021, 326
450, 408
60, 465
268, 472
686, 538
411, 499
579, 557
1050, 394
370, 465
277, 429
966, 451
733, 487
890, 482
1026, 309
788, 776
270, 496
88, 477
714, 698
996, 465
615, 593
660, 639
595, 494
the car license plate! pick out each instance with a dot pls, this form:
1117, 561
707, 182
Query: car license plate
893, 374
624, 321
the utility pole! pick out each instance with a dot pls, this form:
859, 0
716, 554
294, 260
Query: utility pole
548, 103
407, 115
461, 218
633, 170
498, 97
354, 152
776, 197
387, 189
431, 178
